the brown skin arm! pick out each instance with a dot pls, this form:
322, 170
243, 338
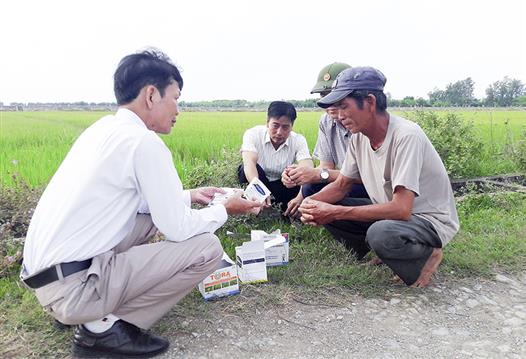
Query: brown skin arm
300, 175
334, 191
333, 172
250, 160
317, 212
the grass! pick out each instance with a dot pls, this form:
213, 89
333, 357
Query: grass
320, 271
492, 236
32, 144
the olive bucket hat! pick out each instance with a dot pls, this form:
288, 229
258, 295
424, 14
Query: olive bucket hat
327, 76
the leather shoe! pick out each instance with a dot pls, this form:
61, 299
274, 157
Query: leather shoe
122, 340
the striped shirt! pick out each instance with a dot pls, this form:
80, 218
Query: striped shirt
273, 162
332, 142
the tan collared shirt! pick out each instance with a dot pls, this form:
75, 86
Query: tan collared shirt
408, 159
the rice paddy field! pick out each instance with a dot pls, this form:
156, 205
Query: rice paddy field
33, 144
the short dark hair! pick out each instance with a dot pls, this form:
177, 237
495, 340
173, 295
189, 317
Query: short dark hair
276, 109
149, 67
360, 95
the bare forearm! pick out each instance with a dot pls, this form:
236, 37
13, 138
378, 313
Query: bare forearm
372, 212
399, 208
331, 193
306, 163
251, 171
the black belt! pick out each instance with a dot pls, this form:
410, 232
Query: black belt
50, 275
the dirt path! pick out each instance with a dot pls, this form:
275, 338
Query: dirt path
465, 318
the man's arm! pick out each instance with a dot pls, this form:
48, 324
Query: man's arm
250, 160
316, 212
301, 175
334, 191
306, 163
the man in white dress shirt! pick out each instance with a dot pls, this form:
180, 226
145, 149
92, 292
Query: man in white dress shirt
268, 150
85, 253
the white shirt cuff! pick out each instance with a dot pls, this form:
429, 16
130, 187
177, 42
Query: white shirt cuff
187, 198
223, 215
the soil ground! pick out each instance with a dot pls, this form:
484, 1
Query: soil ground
452, 318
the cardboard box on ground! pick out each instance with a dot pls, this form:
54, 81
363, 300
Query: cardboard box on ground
252, 259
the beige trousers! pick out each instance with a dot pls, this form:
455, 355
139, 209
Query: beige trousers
137, 282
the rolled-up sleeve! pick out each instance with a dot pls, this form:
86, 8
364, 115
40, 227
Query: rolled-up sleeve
161, 188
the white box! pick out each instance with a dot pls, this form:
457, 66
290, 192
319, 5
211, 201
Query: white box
277, 254
222, 282
256, 191
250, 261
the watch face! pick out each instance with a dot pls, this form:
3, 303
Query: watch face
324, 174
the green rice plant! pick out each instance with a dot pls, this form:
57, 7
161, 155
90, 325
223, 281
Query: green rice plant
33, 144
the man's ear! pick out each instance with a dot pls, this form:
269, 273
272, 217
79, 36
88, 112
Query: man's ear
151, 96
371, 102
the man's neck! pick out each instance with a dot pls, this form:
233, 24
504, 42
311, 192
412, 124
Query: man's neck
133, 107
276, 145
378, 130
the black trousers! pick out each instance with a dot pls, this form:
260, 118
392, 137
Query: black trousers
357, 190
404, 246
282, 195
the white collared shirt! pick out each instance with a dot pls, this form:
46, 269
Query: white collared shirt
116, 168
273, 161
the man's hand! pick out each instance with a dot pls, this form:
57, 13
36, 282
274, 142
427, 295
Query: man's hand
287, 181
317, 213
293, 205
303, 175
238, 205
204, 195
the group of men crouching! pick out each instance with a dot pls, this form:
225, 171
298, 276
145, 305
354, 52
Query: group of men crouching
380, 186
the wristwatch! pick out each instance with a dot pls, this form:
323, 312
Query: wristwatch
324, 175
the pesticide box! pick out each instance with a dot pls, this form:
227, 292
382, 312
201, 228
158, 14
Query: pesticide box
256, 191
222, 282
277, 254
251, 259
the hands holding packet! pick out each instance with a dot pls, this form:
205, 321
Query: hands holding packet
237, 201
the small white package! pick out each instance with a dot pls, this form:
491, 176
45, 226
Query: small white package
222, 197
257, 191
222, 282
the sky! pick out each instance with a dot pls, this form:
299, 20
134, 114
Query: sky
67, 51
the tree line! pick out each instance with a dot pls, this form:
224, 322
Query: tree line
504, 93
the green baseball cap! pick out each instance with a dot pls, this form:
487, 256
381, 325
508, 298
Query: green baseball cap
327, 75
